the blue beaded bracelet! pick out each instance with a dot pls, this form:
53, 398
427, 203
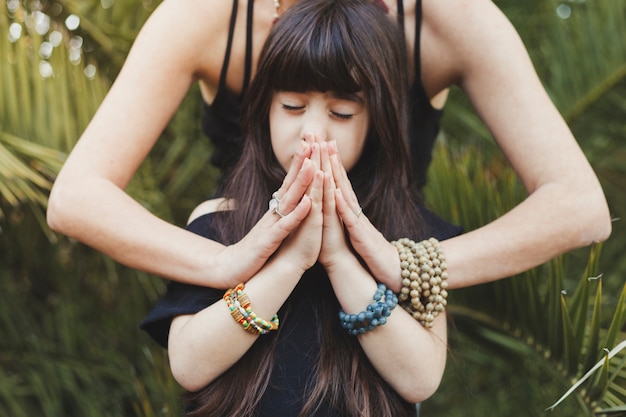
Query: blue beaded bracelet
375, 315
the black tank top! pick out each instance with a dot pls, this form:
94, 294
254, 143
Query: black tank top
221, 122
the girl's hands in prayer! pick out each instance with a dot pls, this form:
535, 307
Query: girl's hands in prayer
334, 245
380, 256
303, 244
272, 229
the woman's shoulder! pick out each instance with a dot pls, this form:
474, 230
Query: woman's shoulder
194, 16
454, 35
195, 31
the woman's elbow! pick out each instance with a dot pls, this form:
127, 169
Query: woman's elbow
71, 203
602, 229
596, 220
57, 211
581, 212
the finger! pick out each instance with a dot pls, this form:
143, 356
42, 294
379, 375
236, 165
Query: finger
316, 191
334, 243
267, 235
293, 194
349, 215
298, 214
297, 162
332, 218
332, 148
343, 183
325, 152
329, 208
315, 154
369, 243
315, 161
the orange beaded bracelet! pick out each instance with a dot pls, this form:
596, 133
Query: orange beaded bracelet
240, 308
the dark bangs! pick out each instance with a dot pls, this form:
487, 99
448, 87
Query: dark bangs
322, 59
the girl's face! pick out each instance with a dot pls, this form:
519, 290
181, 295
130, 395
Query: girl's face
328, 116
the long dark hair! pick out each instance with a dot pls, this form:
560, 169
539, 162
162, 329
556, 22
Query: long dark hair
344, 46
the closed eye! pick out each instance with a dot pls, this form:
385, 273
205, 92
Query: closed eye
342, 116
289, 107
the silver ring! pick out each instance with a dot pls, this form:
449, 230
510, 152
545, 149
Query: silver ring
273, 204
276, 211
358, 212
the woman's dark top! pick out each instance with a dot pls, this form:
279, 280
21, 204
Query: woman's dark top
298, 342
221, 122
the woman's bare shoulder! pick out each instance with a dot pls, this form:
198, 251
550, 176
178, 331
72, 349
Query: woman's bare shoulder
465, 35
195, 30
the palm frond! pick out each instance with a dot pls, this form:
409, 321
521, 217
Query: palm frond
542, 313
579, 56
107, 27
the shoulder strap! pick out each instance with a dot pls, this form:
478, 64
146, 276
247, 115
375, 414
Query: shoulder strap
231, 32
248, 58
416, 48
400, 9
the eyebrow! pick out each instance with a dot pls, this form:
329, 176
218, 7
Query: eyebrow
347, 96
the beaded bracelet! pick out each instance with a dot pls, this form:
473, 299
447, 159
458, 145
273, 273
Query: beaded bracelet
375, 315
424, 279
240, 308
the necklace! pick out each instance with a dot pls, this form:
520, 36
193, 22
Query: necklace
276, 10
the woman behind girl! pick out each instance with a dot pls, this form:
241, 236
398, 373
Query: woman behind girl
313, 331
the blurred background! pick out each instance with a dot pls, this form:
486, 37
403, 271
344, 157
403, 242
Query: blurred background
69, 338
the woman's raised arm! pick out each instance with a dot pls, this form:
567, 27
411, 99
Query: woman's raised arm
474, 45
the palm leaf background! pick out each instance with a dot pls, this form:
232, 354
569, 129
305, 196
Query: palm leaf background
68, 316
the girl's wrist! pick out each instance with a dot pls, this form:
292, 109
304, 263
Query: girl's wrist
340, 261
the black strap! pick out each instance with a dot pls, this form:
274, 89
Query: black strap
401, 15
229, 45
416, 48
231, 32
248, 58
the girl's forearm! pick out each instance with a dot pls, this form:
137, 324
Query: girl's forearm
197, 342
389, 346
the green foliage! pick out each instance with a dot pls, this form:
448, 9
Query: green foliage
68, 316
70, 341
39, 117
544, 318
581, 62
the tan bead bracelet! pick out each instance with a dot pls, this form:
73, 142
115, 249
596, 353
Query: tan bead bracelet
424, 279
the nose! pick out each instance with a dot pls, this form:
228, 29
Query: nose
315, 125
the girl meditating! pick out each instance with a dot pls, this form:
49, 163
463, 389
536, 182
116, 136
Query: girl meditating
316, 329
